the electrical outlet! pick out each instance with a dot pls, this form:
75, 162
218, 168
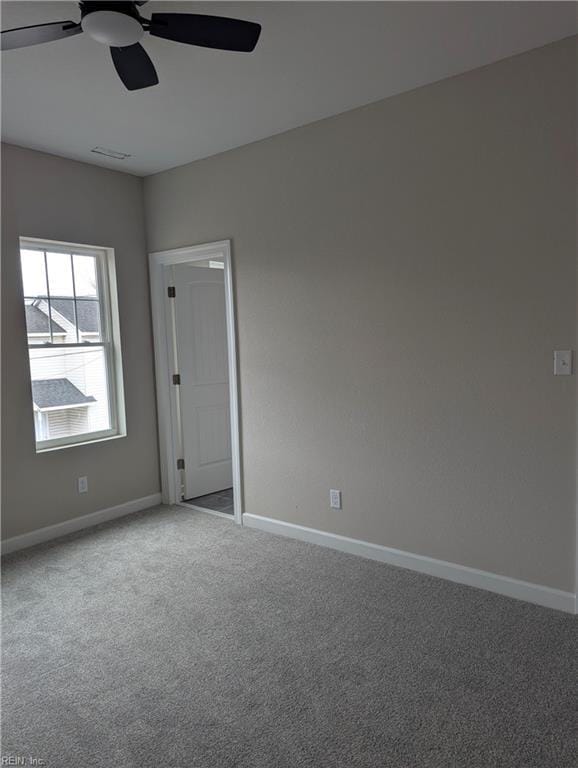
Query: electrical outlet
334, 499
563, 362
83, 484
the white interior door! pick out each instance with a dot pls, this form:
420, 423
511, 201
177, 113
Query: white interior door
201, 341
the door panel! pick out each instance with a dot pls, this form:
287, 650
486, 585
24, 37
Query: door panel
204, 389
208, 332
214, 434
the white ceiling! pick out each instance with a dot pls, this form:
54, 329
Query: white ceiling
314, 59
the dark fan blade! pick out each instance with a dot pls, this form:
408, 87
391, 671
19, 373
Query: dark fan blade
207, 31
38, 33
134, 67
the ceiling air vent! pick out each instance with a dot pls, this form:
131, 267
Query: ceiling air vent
110, 153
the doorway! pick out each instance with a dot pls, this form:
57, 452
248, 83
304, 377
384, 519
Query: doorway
196, 370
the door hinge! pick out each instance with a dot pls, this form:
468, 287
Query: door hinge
180, 463
176, 378
172, 291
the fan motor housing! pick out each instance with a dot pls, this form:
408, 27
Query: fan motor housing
116, 24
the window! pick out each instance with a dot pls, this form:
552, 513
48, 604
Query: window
73, 343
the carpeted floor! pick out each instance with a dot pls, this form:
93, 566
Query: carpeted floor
176, 639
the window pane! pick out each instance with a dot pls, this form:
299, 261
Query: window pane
60, 274
69, 391
63, 315
33, 273
37, 321
85, 280
89, 321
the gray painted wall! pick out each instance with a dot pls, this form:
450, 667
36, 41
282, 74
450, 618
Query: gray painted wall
48, 197
403, 273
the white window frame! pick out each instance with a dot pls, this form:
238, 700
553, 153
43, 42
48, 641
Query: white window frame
110, 341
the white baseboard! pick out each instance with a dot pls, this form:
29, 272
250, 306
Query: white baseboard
503, 585
78, 523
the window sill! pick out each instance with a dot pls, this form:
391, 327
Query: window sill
96, 440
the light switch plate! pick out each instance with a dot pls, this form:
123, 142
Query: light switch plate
334, 499
562, 362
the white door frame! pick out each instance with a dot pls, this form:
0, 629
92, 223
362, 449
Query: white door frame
168, 419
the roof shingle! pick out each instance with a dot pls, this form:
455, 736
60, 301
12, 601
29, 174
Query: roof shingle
87, 311
52, 393
37, 321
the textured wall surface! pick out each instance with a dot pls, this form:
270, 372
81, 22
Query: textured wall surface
48, 197
403, 273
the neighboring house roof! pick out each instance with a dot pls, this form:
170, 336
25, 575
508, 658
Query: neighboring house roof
86, 309
52, 393
37, 321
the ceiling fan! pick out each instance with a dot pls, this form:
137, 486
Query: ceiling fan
120, 26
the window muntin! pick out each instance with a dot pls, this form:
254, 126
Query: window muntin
72, 349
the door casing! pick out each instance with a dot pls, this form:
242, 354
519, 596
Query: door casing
167, 399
